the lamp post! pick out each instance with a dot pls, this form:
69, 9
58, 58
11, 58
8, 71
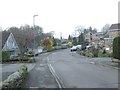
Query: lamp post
34, 34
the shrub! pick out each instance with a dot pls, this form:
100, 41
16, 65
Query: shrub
50, 49
116, 48
89, 54
94, 51
104, 51
100, 54
15, 80
57, 47
31, 60
5, 55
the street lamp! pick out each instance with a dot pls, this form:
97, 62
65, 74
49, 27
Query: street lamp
34, 34
34, 20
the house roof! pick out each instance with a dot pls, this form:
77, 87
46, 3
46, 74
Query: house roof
5, 36
115, 26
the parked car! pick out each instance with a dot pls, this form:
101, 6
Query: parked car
79, 46
88, 47
83, 47
74, 48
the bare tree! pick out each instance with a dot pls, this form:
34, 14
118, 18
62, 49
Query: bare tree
105, 28
79, 29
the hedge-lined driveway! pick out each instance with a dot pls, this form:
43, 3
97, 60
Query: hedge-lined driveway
77, 71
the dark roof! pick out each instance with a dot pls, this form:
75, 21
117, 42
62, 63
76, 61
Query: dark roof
115, 26
5, 36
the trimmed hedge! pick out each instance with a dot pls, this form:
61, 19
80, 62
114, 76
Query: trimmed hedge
116, 48
5, 55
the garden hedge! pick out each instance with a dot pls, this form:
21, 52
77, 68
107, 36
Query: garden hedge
116, 48
5, 55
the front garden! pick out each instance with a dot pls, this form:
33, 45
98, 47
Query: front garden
26, 58
93, 52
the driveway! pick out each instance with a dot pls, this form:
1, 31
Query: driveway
77, 71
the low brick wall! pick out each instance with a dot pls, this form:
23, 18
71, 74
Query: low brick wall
16, 79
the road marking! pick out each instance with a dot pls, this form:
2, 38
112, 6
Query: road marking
55, 75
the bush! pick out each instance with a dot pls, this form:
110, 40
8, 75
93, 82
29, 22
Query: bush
95, 52
31, 60
104, 51
57, 47
15, 80
89, 54
50, 49
116, 48
101, 54
5, 55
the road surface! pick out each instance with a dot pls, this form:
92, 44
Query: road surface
77, 71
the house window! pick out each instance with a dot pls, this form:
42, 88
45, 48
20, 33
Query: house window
13, 54
13, 44
7, 43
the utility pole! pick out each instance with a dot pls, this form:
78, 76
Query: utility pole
34, 34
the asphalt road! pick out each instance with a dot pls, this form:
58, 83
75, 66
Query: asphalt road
76, 71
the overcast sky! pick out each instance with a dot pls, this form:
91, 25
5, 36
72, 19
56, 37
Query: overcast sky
61, 16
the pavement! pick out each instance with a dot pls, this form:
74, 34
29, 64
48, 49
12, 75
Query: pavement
40, 76
75, 71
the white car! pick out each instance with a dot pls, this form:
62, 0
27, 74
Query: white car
74, 48
87, 47
79, 46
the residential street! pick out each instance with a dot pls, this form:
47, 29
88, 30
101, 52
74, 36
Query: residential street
76, 71
73, 70
60, 44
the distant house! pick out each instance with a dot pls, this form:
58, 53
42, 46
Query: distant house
95, 38
88, 37
63, 41
91, 37
113, 32
9, 44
